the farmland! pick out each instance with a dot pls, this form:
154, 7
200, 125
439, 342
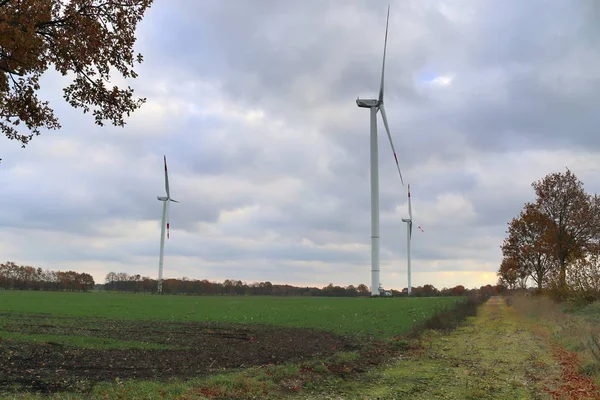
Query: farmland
56, 341
346, 316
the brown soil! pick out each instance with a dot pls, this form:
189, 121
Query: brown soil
200, 349
574, 385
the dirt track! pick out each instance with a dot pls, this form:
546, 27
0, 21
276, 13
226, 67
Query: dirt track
492, 356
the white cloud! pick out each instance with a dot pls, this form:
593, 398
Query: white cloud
443, 80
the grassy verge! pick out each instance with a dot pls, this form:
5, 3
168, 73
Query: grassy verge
575, 328
488, 357
265, 382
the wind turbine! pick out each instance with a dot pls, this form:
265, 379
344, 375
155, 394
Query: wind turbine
165, 217
377, 105
409, 223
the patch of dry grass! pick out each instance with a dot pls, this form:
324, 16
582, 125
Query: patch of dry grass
574, 331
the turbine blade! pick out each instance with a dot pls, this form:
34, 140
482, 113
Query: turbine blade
384, 50
410, 230
167, 218
409, 204
174, 201
387, 129
166, 178
421, 229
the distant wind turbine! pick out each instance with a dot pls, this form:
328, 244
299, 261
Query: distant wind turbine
409, 223
377, 105
165, 218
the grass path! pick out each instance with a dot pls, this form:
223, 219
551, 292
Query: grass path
492, 356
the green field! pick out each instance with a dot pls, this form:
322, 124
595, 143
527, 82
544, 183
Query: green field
111, 345
380, 318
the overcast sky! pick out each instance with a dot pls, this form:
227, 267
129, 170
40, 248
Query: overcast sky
253, 103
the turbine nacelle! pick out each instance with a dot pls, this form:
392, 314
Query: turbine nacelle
406, 220
367, 103
162, 198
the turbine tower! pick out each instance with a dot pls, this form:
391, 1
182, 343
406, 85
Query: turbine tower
377, 105
409, 223
165, 218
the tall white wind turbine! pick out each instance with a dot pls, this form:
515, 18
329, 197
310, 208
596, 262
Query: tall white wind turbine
409, 223
377, 105
165, 218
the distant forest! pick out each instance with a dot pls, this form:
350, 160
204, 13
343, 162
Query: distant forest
23, 277
20, 277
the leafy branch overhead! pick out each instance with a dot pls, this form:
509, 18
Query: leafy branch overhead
85, 39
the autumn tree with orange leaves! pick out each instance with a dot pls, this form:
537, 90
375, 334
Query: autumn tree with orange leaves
556, 234
510, 274
574, 218
584, 275
87, 40
528, 245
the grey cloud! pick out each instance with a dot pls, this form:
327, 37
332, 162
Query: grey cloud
86, 197
533, 112
264, 49
537, 32
272, 251
303, 64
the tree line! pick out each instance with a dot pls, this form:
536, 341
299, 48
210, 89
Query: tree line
554, 242
23, 277
124, 282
